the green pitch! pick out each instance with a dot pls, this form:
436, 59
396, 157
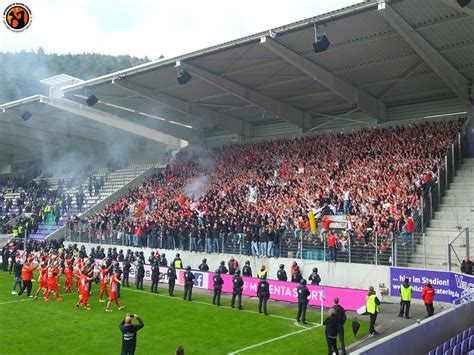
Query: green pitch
35, 327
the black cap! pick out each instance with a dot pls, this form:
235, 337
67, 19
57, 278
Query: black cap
188, 268
303, 281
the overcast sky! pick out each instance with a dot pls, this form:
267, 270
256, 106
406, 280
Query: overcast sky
151, 28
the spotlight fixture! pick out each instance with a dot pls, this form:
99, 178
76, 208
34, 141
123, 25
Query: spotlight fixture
25, 116
183, 76
463, 3
92, 100
321, 42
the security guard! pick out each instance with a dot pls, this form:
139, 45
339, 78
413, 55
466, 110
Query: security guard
188, 284
262, 272
204, 267
155, 277
237, 286
163, 260
222, 268
247, 270
372, 305
126, 272
218, 282
281, 274
139, 274
405, 293
303, 294
177, 262
263, 294
314, 277
171, 273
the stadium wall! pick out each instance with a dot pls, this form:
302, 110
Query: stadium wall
425, 335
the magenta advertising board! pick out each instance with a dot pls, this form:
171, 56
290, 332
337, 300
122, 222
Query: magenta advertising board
350, 299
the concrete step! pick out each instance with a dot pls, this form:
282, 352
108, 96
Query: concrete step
463, 179
449, 224
454, 216
445, 233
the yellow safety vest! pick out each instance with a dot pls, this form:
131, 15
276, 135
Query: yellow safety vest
15, 232
372, 307
405, 292
178, 264
261, 273
20, 230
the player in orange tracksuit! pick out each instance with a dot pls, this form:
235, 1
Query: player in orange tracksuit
53, 286
114, 282
42, 279
79, 267
103, 281
84, 291
68, 272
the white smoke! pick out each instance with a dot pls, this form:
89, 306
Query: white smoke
197, 188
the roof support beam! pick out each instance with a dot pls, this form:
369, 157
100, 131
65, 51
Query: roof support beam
289, 113
232, 124
469, 9
445, 70
348, 92
113, 121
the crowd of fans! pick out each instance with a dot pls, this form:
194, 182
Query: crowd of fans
257, 196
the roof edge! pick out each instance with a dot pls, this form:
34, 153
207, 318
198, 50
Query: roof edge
329, 16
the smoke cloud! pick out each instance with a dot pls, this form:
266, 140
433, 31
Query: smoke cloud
197, 188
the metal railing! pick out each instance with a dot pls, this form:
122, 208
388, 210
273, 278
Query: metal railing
463, 237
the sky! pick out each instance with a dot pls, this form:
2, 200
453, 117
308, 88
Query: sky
151, 28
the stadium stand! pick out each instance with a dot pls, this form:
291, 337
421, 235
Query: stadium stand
44, 204
462, 343
203, 200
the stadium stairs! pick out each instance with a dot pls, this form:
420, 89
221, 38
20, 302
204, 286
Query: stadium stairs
113, 182
455, 213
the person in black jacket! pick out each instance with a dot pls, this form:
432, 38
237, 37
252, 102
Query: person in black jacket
247, 270
218, 282
17, 267
222, 268
204, 267
171, 273
129, 333
314, 277
126, 272
188, 284
155, 276
237, 285
296, 277
466, 266
303, 294
341, 320
163, 260
139, 274
281, 274
263, 294
331, 324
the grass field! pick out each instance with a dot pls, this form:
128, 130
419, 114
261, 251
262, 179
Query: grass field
35, 327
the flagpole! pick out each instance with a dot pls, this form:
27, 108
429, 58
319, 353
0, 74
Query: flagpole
322, 297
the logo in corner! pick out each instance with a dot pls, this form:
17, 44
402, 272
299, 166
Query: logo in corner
17, 17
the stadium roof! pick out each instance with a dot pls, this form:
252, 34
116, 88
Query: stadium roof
387, 61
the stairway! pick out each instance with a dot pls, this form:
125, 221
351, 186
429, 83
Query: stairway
455, 213
113, 182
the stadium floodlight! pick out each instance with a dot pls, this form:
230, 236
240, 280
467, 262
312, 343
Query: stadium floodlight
463, 3
182, 75
92, 100
321, 42
25, 116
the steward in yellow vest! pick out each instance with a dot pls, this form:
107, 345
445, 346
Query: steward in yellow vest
405, 294
372, 305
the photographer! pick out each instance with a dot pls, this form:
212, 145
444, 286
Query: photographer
129, 333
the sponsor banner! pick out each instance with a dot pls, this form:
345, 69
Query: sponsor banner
448, 286
350, 299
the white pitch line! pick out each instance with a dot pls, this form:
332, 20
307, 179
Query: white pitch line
272, 340
208, 304
31, 299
